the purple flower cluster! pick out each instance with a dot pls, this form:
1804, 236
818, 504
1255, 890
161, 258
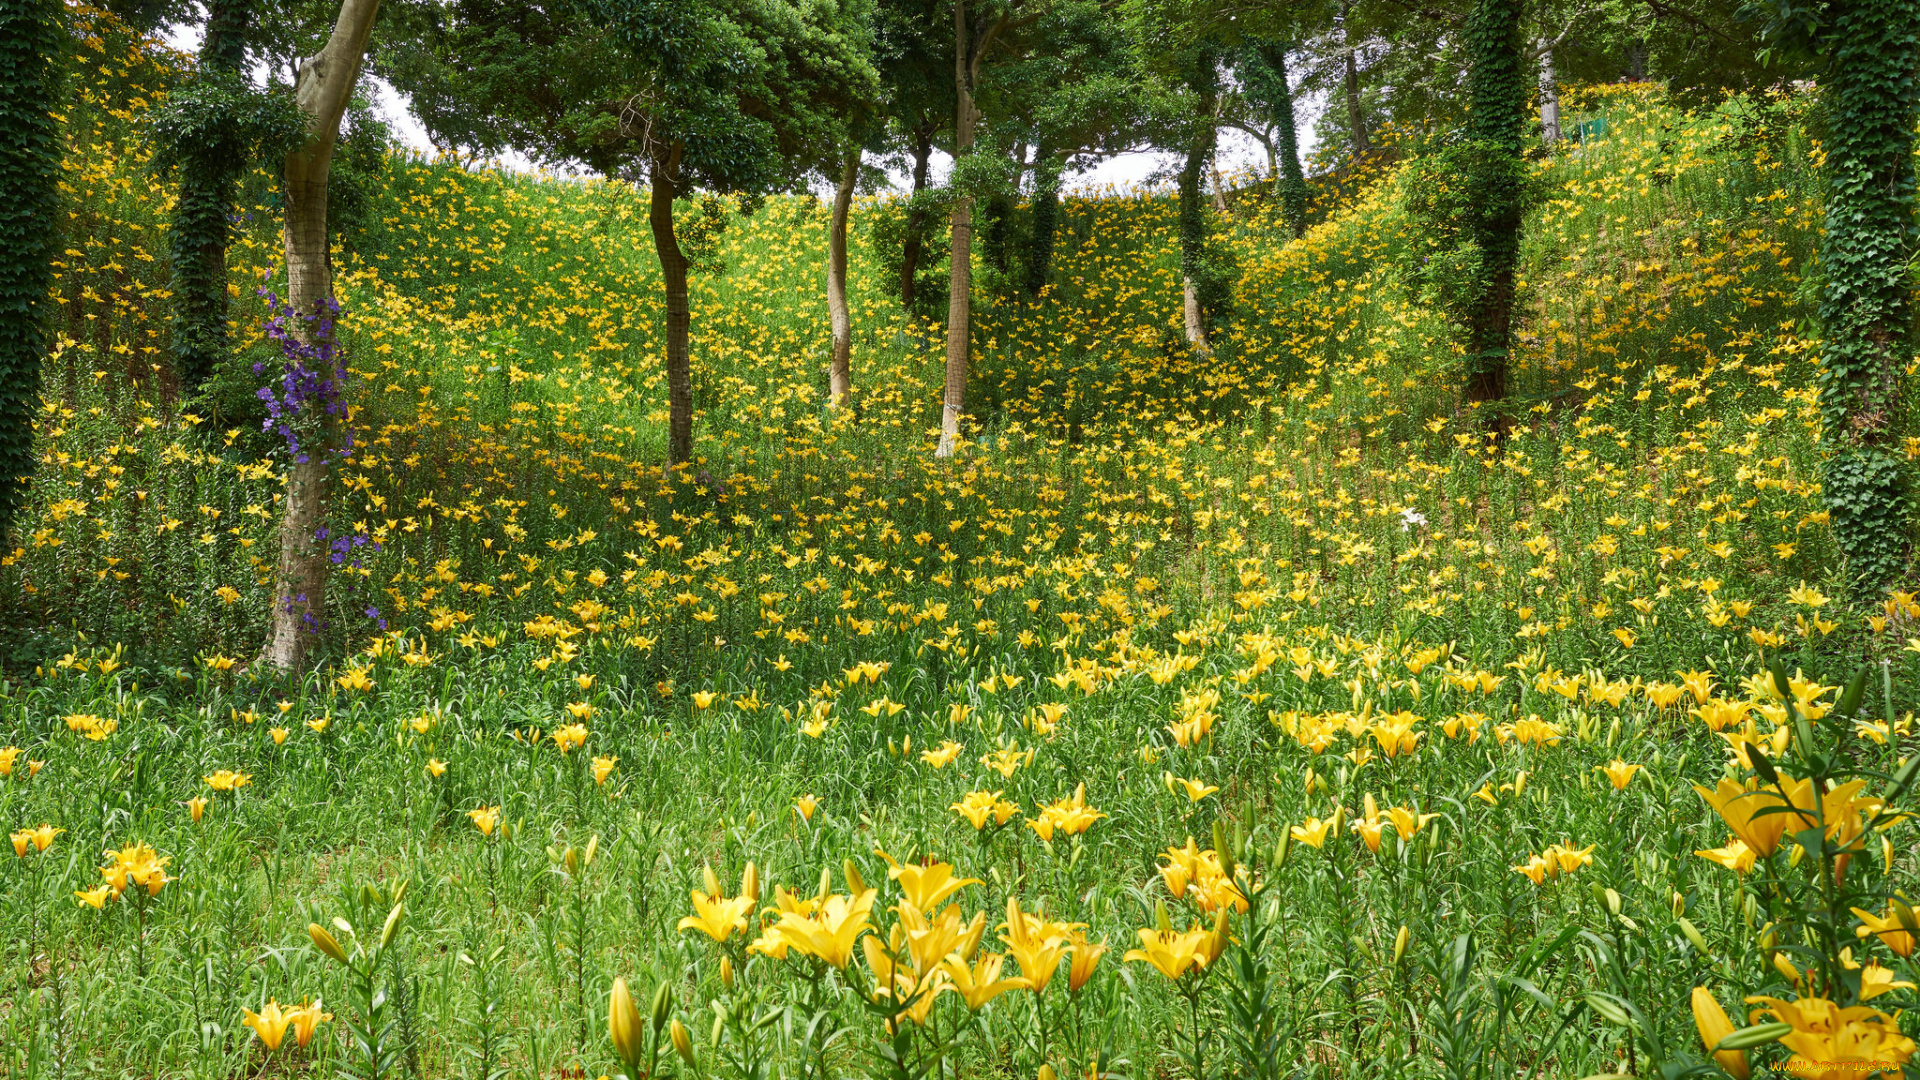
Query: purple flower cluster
312, 381
311, 386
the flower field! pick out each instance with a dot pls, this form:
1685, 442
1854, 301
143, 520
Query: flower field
1254, 716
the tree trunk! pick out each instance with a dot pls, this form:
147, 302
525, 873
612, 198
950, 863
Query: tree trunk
960, 276
1549, 96
1497, 89
840, 376
324, 87
673, 271
32, 35
199, 232
916, 217
1193, 222
1291, 181
1356, 115
1866, 306
1046, 215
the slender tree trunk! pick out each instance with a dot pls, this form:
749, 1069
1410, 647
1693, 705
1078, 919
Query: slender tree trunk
960, 277
32, 36
1496, 85
324, 87
840, 377
1193, 222
1356, 114
673, 271
1866, 306
916, 217
1549, 96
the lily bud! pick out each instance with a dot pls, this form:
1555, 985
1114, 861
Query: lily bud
392, 927
593, 845
1222, 849
1519, 783
1046, 1073
1786, 969
1400, 941
662, 1004
1693, 935
750, 883
623, 1025
1282, 846
325, 942
682, 1040
726, 972
1679, 905
826, 882
1161, 918
711, 881
855, 883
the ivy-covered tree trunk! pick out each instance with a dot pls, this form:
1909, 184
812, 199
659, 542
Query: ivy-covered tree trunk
31, 42
916, 235
1497, 91
1204, 81
673, 272
210, 173
1046, 217
322, 92
1865, 310
840, 370
1291, 181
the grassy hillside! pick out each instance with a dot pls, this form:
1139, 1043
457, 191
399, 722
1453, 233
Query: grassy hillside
1300, 575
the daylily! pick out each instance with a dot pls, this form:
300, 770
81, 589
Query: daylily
1036, 944
1619, 773
486, 819
227, 780
1313, 832
304, 1020
926, 887
270, 1023
1888, 928
978, 807
1086, 958
981, 983
1736, 856
717, 916
1832, 1043
942, 757
828, 935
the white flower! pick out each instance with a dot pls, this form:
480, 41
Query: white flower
1410, 517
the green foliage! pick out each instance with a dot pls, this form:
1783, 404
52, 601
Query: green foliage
1473, 230
1263, 76
208, 132
31, 43
1449, 194
886, 228
749, 89
1866, 310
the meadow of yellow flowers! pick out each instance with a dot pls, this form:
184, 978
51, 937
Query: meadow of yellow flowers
1260, 716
